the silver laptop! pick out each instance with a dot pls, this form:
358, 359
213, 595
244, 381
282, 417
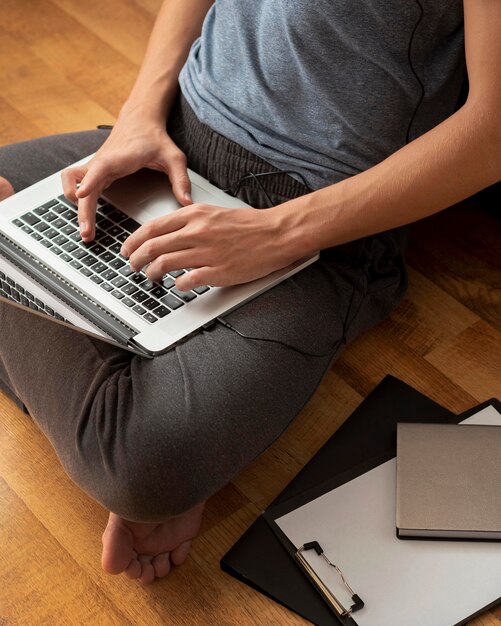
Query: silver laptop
46, 267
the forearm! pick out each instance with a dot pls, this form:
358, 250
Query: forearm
178, 24
452, 161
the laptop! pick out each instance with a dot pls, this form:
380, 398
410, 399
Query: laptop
45, 266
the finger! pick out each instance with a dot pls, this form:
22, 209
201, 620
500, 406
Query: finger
87, 215
161, 226
161, 565
196, 278
180, 554
70, 178
150, 250
168, 262
175, 164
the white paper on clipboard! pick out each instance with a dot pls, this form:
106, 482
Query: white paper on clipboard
402, 582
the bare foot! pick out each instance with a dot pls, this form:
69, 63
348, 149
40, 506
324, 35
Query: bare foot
6, 188
148, 551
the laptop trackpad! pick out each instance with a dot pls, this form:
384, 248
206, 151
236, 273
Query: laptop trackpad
144, 195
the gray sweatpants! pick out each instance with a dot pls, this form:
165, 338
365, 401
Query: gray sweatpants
152, 438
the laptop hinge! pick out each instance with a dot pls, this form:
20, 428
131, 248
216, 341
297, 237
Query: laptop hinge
66, 292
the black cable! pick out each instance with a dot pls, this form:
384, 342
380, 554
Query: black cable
235, 187
409, 59
346, 322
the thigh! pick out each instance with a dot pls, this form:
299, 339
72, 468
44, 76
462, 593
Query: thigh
27, 162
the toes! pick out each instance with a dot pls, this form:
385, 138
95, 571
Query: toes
147, 571
117, 547
133, 570
161, 565
180, 554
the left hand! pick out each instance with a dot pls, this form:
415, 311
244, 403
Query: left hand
223, 246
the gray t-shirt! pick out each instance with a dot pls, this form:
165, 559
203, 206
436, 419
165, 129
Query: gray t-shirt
327, 88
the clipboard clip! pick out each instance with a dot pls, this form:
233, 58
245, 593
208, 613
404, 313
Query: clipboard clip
331, 599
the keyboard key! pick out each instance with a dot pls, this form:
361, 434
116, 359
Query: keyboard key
161, 311
115, 230
148, 285
76, 265
65, 257
130, 225
68, 214
201, 290
127, 271
138, 278
171, 302
168, 282
67, 230
186, 296
41, 210
96, 279
122, 236
150, 304
85, 271
117, 264
118, 294
88, 260
36, 236
115, 248
106, 241
109, 275
140, 296
119, 281
99, 267
79, 253
158, 292
117, 216
60, 240
30, 219
150, 318
27, 229
49, 204
46, 243
129, 289
41, 226
107, 286
107, 256
139, 309
51, 233
70, 246
50, 216
176, 273
59, 223
128, 302
97, 249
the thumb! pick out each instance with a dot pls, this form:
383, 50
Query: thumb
177, 171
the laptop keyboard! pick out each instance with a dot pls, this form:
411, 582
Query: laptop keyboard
14, 291
55, 225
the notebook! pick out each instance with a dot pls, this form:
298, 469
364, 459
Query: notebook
448, 481
437, 583
48, 269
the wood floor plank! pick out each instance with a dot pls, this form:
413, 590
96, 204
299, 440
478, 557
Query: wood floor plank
84, 60
14, 126
427, 316
124, 26
39, 582
35, 91
462, 258
472, 360
376, 354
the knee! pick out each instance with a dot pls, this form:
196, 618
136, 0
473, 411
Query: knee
160, 474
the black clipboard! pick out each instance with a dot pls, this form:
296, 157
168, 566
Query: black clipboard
365, 440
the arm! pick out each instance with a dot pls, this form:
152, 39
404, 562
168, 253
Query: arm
450, 162
139, 138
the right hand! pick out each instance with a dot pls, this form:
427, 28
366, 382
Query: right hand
135, 142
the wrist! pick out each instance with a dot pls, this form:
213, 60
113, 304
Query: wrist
292, 231
152, 102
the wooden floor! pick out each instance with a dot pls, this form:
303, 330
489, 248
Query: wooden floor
67, 65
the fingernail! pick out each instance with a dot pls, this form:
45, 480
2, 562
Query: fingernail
123, 251
188, 197
83, 227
